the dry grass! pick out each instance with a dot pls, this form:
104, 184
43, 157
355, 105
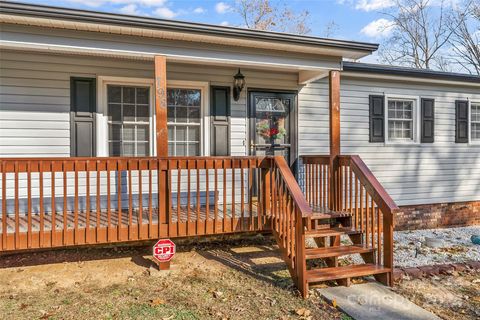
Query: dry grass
451, 297
244, 279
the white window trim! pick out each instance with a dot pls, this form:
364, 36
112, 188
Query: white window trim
416, 119
102, 118
470, 140
203, 86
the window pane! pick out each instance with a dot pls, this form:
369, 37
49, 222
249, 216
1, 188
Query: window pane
142, 113
171, 114
181, 149
114, 149
171, 149
143, 95
181, 133
142, 149
115, 132
171, 136
128, 95
193, 149
181, 116
194, 133
142, 133
128, 133
193, 98
128, 149
194, 115
129, 112
114, 112
114, 94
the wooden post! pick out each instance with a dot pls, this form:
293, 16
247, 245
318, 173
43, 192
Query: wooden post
300, 262
334, 95
161, 105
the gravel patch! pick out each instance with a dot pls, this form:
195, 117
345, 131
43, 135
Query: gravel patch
410, 250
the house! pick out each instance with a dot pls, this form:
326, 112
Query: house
117, 128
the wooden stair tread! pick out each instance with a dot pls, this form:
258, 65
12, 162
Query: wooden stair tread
331, 232
325, 213
351, 271
328, 252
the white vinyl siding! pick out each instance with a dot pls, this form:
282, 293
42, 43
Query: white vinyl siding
35, 97
438, 172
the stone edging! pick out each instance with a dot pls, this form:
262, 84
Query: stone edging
434, 270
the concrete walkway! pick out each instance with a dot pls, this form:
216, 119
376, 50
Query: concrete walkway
374, 301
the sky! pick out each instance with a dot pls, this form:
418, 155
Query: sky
358, 20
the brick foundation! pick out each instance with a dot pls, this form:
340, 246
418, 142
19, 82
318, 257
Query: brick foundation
429, 216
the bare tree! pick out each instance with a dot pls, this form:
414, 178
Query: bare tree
262, 15
465, 41
419, 34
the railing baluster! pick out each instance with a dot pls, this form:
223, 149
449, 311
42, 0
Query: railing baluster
215, 210
242, 194
179, 189
233, 196
4, 205
130, 199
189, 182
42, 208
224, 196
197, 230
17, 209
207, 199
53, 215
98, 205
88, 208
150, 201
29, 205
250, 197
75, 204
140, 201
119, 201
109, 202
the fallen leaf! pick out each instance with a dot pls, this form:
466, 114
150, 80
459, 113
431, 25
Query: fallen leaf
217, 294
334, 303
157, 302
303, 312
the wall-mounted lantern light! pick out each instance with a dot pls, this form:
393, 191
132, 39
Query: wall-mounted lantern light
238, 85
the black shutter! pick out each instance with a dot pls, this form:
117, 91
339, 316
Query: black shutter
461, 121
220, 121
377, 119
428, 120
83, 104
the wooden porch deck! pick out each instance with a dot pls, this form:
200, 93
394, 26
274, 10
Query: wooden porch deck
105, 218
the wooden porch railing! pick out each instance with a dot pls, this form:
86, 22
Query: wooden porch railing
289, 213
51, 202
352, 187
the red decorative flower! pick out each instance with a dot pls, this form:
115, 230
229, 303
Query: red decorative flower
273, 131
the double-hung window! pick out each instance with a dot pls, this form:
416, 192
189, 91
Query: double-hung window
128, 112
475, 122
401, 120
184, 106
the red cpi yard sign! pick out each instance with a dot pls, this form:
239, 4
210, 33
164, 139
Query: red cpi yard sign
164, 250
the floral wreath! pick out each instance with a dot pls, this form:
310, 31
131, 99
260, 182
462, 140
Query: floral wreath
267, 132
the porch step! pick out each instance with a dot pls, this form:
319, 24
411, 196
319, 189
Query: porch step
325, 213
332, 232
329, 252
352, 271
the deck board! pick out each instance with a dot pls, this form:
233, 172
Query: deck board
125, 217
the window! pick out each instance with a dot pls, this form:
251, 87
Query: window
184, 121
475, 121
401, 120
128, 112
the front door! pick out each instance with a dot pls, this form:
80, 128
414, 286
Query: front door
271, 118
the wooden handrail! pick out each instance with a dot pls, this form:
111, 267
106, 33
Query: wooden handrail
292, 186
373, 186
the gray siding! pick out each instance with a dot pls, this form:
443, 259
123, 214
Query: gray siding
414, 174
35, 96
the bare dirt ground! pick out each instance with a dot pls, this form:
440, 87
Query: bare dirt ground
451, 297
238, 279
